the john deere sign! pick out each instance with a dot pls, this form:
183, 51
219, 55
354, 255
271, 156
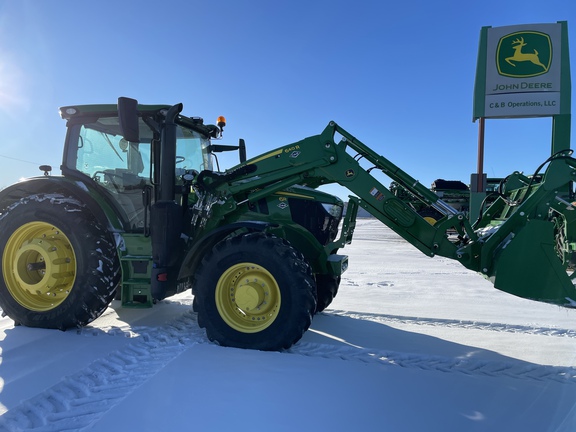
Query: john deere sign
523, 71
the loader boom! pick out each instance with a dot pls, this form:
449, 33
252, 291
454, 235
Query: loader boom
523, 243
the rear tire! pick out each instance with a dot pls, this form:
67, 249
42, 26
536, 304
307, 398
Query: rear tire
254, 291
59, 264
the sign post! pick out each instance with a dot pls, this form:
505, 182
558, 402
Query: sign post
522, 71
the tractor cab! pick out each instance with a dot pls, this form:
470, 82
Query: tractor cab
128, 172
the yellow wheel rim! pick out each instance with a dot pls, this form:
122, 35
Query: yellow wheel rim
248, 298
39, 266
430, 220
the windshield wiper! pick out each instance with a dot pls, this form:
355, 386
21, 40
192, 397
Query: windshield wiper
112, 146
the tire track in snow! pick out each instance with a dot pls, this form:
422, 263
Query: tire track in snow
79, 400
460, 324
520, 370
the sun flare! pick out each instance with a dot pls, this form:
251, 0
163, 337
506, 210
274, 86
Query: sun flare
11, 94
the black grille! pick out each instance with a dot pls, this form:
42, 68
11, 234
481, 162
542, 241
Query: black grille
312, 216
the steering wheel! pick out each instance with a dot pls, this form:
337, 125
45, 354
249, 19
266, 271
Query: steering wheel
180, 159
110, 177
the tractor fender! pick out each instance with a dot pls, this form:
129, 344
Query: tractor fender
205, 243
82, 191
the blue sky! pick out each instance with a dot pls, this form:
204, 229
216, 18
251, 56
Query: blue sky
397, 75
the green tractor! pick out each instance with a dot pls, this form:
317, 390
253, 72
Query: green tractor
134, 217
140, 214
453, 192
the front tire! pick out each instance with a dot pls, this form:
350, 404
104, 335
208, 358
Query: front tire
327, 290
59, 265
254, 291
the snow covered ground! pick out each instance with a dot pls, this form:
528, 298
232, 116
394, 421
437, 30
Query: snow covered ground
410, 344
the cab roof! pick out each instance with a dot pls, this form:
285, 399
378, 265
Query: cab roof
70, 111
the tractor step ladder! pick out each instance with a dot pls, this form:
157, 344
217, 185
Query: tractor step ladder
136, 264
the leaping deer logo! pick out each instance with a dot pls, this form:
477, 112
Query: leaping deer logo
519, 56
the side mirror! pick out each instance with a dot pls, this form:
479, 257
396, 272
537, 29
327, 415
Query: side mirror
242, 150
128, 118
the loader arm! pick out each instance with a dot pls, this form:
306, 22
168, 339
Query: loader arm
523, 243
